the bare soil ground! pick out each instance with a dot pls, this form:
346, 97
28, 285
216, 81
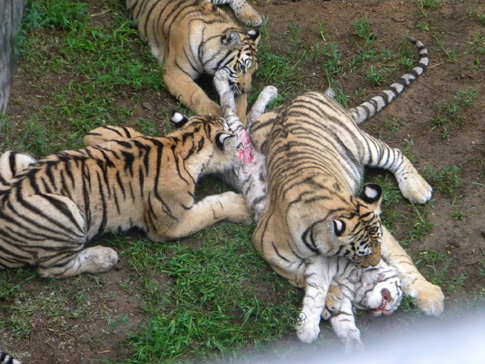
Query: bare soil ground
458, 229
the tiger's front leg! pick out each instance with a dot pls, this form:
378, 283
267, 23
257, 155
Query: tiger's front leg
412, 185
429, 297
317, 282
338, 309
184, 89
227, 206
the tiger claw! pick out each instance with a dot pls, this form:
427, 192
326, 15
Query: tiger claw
414, 187
429, 298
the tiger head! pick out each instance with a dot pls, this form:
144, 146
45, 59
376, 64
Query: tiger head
379, 291
210, 137
239, 58
356, 229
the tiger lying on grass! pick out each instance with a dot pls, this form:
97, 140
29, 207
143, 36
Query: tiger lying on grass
315, 158
376, 289
53, 208
194, 37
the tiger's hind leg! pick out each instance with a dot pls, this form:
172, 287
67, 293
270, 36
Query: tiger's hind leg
266, 96
97, 259
243, 11
57, 231
428, 297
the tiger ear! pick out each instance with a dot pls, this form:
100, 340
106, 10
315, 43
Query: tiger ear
371, 194
226, 142
338, 227
255, 35
231, 39
178, 119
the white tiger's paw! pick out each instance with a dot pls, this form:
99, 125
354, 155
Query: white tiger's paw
307, 330
270, 93
428, 297
415, 188
353, 345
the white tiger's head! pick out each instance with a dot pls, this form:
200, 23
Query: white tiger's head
380, 290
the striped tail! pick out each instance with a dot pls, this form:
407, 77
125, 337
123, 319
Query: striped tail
370, 108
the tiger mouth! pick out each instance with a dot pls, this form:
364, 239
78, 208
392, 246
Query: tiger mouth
385, 299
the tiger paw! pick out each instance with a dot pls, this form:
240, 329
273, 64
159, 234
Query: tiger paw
236, 208
353, 345
428, 297
247, 15
98, 259
307, 330
415, 188
270, 93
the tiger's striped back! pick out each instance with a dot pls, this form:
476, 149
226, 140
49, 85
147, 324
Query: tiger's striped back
312, 158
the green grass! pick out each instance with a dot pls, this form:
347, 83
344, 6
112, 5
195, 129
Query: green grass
436, 266
446, 181
426, 8
477, 45
215, 323
376, 76
452, 114
99, 61
449, 54
206, 297
279, 67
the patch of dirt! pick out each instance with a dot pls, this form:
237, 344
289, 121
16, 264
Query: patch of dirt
458, 230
